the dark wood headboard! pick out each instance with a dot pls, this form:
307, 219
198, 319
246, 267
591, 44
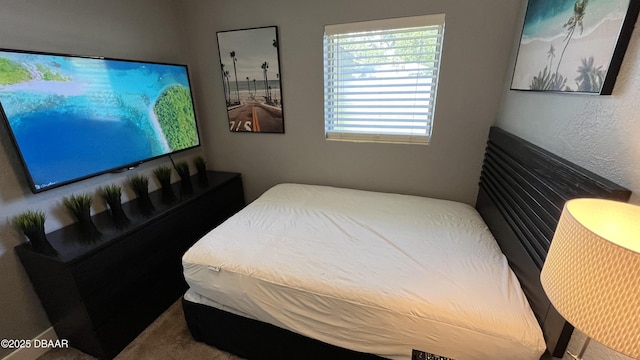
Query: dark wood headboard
523, 189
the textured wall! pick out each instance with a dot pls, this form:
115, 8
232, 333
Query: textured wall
476, 51
141, 29
600, 133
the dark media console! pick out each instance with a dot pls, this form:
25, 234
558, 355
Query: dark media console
101, 292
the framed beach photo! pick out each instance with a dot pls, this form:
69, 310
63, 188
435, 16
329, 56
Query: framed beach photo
251, 77
573, 46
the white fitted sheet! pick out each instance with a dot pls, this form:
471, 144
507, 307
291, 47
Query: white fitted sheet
372, 272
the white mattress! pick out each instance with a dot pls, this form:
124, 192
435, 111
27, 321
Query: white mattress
372, 272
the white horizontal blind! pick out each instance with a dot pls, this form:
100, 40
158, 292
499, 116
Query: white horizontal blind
380, 79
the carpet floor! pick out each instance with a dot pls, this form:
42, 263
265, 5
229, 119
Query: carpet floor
166, 338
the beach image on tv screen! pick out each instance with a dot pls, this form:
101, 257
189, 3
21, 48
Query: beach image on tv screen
73, 117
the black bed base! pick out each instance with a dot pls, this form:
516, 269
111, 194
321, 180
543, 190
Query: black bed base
252, 339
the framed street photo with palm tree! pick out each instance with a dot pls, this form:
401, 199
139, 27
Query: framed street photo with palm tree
251, 79
573, 46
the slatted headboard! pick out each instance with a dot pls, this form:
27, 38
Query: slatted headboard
523, 189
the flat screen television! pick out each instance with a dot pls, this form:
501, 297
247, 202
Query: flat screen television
74, 117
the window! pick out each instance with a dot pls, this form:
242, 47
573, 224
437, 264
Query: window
380, 79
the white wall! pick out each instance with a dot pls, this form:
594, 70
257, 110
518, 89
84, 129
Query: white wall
141, 30
477, 44
600, 133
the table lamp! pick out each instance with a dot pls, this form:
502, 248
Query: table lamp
592, 272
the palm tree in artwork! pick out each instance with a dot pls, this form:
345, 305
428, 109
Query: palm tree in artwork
227, 78
235, 59
579, 10
275, 45
265, 66
255, 89
590, 78
248, 86
279, 89
225, 83
551, 54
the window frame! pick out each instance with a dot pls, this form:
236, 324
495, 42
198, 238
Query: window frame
334, 93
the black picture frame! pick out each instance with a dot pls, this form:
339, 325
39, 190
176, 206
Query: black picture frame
251, 79
573, 46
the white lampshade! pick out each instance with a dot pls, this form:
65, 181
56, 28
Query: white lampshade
592, 271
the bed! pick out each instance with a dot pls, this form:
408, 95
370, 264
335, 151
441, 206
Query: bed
309, 271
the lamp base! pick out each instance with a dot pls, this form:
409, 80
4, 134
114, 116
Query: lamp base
581, 353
